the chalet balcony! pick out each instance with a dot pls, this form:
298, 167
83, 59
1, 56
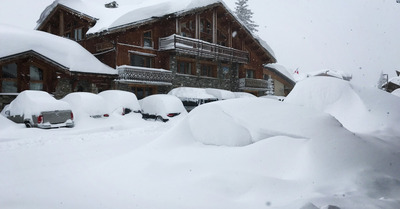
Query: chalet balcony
143, 75
253, 84
202, 49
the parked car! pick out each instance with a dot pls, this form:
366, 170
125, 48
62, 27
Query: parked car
192, 97
85, 103
120, 102
162, 107
39, 109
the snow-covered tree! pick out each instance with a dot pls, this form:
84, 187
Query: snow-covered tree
245, 15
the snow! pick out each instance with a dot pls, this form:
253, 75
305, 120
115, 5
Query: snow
396, 92
221, 94
162, 104
30, 102
85, 104
236, 153
243, 95
395, 80
191, 93
63, 51
117, 100
361, 110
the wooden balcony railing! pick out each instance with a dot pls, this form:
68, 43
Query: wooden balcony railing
202, 49
144, 75
250, 83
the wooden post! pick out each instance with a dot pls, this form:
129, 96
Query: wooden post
214, 27
197, 35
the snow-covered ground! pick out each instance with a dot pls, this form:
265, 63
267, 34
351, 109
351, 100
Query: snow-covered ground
305, 153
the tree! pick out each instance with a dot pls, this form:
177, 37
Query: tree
245, 15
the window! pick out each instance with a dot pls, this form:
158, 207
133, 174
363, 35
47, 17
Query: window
207, 70
36, 78
185, 67
9, 78
147, 39
249, 73
222, 38
205, 26
187, 29
225, 72
141, 61
78, 34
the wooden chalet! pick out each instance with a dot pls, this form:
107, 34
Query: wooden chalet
167, 45
39, 61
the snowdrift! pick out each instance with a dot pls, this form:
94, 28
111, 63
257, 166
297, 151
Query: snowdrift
361, 110
254, 153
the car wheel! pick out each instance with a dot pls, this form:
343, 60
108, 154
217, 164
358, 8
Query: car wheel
159, 118
28, 124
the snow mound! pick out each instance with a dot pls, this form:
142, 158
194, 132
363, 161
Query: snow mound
243, 121
361, 110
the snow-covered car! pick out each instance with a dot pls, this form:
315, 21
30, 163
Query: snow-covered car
243, 95
278, 98
162, 107
85, 103
39, 109
192, 97
120, 102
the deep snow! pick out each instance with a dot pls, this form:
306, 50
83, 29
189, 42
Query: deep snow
236, 153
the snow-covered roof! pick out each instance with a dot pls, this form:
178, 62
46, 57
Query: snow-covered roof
133, 12
332, 73
395, 80
282, 70
67, 53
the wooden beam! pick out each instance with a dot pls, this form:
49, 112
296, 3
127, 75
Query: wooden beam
61, 23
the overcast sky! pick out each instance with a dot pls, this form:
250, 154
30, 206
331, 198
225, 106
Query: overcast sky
361, 37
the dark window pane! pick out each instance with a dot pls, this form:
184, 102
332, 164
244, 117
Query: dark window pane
9, 87
9, 71
36, 74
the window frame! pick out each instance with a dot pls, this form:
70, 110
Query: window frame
147, 39
13, 80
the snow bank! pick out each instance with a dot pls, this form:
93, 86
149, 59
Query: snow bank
117, 100
32, 102
361, 110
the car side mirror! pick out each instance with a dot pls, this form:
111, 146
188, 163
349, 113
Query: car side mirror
7, 112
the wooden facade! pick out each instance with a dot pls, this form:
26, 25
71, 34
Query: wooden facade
203, 47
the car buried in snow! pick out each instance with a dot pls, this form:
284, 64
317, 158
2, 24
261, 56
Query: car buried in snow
39, 109
161, 107
87, 104
120, 102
